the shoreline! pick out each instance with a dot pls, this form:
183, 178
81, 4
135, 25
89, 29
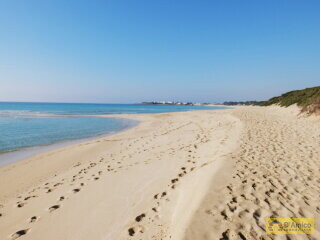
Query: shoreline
8, 157
24, 153
160, 179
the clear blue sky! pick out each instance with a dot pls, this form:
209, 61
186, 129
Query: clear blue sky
130, 51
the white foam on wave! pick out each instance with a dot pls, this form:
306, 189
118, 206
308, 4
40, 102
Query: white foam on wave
22, 114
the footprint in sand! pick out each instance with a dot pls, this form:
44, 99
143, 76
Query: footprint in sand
53, 208
19, 234
33, 219
132, 230
27, 198
20, 205
140, 217
76, 190
174, 180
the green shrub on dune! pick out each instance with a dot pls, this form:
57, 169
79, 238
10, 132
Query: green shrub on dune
300, 97
308, 99
313, 107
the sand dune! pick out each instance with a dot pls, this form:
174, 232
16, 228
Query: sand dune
192, 175
277, 174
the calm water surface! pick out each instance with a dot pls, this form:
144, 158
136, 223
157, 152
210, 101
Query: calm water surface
24, 125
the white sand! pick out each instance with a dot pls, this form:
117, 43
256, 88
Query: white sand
174, 176
276, 174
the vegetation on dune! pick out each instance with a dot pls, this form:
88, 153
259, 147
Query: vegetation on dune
314, 107
308, 99
302, 98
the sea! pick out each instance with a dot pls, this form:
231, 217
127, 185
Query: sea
25, 127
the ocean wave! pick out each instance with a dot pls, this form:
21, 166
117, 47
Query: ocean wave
22, 114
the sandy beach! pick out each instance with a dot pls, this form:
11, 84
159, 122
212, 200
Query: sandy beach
209, 174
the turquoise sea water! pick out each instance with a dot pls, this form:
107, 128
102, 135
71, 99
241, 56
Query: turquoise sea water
24, 125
